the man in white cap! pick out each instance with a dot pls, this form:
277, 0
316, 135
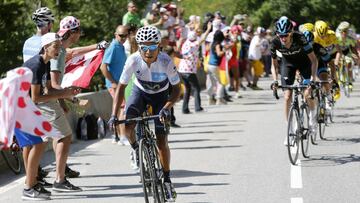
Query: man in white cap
44, 96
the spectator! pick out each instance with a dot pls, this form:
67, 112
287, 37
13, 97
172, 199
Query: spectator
255, 56
188, 68
44, 20
131, 17
70, 32
44, 96
213, 79
112, 67
266, 53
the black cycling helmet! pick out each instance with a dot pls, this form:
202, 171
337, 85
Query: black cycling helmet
42, 16
283, 25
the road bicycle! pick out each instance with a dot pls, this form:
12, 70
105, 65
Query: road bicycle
324, 114
13, 156
151, 171
343, 75
298, 122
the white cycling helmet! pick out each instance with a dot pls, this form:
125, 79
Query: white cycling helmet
42, 16
148, 34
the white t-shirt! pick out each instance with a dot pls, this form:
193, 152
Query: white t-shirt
255, 48
150, 80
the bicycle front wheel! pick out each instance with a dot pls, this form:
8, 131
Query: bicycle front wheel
145, 169
293, 135
322, 130
305, 140
158, 179
13, 159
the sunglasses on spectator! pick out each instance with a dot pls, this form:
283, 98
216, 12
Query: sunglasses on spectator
76, 30
122, 35
145, 48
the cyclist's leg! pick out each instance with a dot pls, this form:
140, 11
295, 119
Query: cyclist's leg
157, 101
305, 70
288, 73
135, 106
323, 76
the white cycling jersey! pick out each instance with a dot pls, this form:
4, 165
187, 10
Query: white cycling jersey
150, 80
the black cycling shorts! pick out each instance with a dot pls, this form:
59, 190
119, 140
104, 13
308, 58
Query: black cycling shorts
288, 71
136, 105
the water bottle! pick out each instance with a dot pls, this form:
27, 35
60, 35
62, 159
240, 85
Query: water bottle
83, 130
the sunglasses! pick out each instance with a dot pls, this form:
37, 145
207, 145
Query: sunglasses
283, 35
145, 48
122, 35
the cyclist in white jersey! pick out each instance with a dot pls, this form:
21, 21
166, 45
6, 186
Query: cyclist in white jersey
153, 71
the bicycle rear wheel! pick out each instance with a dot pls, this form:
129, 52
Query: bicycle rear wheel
13, 158
293, 135
305, 140
145, 169
322, 130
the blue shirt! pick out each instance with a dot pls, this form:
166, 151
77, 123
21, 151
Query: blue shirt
115, 58
32, 46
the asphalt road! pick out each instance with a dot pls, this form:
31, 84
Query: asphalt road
230, 153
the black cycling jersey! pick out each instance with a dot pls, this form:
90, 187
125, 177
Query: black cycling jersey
297, 53
323, 57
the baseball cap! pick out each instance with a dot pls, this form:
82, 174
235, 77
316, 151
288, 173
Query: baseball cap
49, 38
68, 23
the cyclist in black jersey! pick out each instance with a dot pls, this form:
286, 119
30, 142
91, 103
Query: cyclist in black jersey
297, 55
324, 58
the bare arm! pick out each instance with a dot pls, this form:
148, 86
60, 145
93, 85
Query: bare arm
108, 75
56, 84
218, 50
314, 65
52, 93
119, 97
274, 68
174, 96
73, 52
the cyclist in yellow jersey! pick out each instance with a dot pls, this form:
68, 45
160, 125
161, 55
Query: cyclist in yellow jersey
327, 38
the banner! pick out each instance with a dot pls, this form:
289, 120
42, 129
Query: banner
80, 69
17, 110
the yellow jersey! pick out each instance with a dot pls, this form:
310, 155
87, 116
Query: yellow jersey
328, 42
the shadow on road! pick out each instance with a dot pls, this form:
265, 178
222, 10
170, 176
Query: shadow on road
187, 173
196, 140
206, 147
207, 132
324, 160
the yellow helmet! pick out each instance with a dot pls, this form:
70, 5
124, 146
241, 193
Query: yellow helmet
306, 27
321, 28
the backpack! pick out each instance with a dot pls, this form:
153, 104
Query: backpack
87, 128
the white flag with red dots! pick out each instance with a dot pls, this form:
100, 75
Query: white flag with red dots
17, 110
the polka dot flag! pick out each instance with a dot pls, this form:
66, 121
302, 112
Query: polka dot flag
17, 110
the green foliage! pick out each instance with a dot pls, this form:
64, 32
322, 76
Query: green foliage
99, 18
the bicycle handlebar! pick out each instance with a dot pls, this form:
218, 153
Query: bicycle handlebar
140, 118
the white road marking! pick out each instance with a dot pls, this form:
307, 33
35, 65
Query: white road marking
296, 179
297, 200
